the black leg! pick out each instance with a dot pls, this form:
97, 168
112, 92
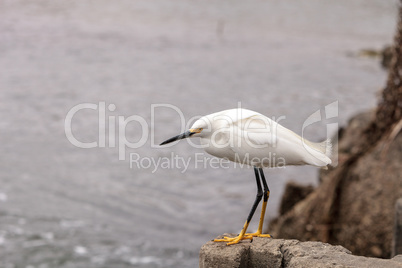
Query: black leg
264, 182
258, 196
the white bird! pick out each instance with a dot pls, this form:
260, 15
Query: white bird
248, 137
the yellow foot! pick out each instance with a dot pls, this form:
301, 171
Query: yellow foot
233, 240
257, 234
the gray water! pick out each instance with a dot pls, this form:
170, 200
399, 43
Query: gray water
63, 206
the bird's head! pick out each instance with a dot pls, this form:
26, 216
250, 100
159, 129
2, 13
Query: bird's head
198, 129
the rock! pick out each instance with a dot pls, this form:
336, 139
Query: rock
281, 253
344, 143
348, 136
397, 239
293, 193
217, 255
363, 210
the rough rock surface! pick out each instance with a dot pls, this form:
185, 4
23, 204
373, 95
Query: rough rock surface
266, 252
294, 192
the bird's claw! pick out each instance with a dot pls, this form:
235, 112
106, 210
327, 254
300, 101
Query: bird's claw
237, 239
233, 240
257, 234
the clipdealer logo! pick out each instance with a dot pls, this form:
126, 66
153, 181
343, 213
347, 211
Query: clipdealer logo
112, 134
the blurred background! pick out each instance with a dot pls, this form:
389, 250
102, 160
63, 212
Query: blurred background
63, 206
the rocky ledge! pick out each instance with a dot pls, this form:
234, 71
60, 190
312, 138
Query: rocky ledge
267, 252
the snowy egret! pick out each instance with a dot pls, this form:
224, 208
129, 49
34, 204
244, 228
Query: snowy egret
248, 137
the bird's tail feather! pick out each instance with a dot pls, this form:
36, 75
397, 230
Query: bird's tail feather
325, 148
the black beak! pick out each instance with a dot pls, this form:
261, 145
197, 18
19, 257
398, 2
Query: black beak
178, 137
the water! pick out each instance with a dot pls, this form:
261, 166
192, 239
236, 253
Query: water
62, 206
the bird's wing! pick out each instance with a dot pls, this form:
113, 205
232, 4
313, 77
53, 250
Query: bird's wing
257, 130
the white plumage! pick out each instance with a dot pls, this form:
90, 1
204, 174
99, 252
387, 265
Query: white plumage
245, 136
